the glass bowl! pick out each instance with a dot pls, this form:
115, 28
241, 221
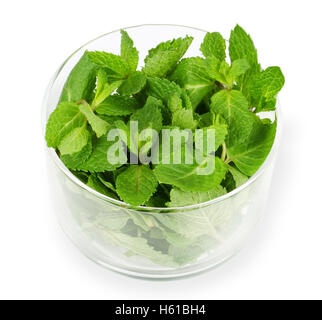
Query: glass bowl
157, 243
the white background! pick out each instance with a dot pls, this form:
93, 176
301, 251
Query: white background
284, 257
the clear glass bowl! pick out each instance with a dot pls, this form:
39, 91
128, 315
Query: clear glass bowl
133, 241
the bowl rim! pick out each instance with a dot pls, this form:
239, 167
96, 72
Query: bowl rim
53, 155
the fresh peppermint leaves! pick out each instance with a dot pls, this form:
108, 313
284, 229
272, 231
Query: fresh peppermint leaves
162, 59
136, 184
194, 98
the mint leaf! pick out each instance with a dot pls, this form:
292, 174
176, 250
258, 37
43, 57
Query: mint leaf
136, 185
129, 140
265, 87
74, 141
249, 155
239, 177
110, 119
183, 119
162, 89
80, 83
238, 68
162, 59
98, 125
98, 161
104, 91
221, 72
186, 177
73, 161
221, 132
241, 46
175, 103
114, 65
128, 52
102, 80
63, 120
133, 85
214, 45
95, 183
215, 69
233, 107
156, 201
150, 115
192, 75
117, 105
181, 198
106, 183
207, 119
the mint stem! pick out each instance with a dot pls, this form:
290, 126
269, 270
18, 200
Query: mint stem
82, 101
224, 151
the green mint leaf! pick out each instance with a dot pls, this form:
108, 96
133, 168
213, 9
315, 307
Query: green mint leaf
104, 180
238, 68
105, 91
207, 119
241, 46
175, 103
101, 81
213, 69
214, 45
128, 52
114, 65
181, 198
249, 155
221, 132
150, 115
162, 59
136, 185
133, 85
98, 161
234, 108
117, 105
73, 161
239, 177
186, 177
221, 72
63, 120
192, 75
98, 125
224, 68
110, 119
186, 102
80, 83
183, 119
162, 89
156, 200
95, 183
129, 140
265, 87
74, 141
